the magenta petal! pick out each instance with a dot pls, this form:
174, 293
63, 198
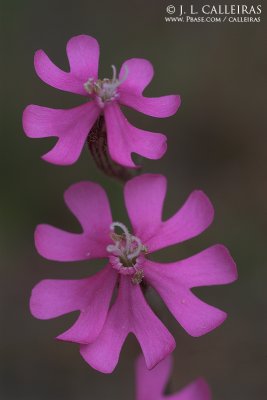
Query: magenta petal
193, 218
130, 313
160, 107
70, 126
54, 76
140, 73
58, 245
91, 296
146, 216
150, 384
83, 55
213, 266
197, 390
89, 203
124, 139
173, 281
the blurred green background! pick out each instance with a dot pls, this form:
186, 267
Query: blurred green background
216, 142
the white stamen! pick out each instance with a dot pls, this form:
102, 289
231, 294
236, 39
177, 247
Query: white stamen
127, 248
114, 77
137, 250
106, 89
126, 233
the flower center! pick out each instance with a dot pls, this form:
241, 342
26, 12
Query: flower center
105, 90
127, 253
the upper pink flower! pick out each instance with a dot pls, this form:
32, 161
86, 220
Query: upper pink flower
102, 330
103, 97
150, 385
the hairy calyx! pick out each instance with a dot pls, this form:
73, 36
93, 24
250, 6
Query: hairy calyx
98, 147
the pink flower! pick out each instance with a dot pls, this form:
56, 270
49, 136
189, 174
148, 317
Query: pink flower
100, 329
102, 97
150, 385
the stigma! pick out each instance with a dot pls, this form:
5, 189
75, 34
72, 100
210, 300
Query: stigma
127, 253
105, 90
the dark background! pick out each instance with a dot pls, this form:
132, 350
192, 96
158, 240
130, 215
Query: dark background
217, 142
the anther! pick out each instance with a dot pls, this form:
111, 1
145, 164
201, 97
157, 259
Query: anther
138, 277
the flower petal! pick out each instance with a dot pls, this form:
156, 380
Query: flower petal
83, 55
49, 73
130, 313
55, 244
146, 216
70, 126
160, 107
150, 384
52, 298
173, 281
89, 203
197, 390
124, 139
212, 266
139, 73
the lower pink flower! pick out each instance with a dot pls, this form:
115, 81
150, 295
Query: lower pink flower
150, 385
100, 329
